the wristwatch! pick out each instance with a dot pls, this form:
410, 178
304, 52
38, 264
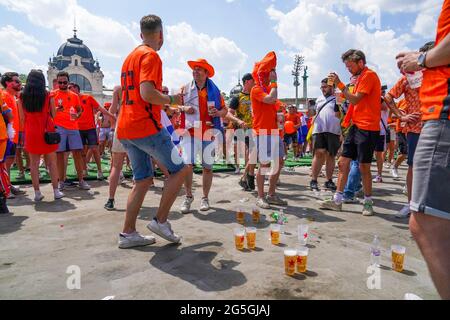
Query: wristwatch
421, 60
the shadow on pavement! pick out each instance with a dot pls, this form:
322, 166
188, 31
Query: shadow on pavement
196, 267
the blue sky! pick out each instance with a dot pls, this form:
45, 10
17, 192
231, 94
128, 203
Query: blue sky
231, 34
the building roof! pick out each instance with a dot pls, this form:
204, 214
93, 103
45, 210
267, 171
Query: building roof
75, 46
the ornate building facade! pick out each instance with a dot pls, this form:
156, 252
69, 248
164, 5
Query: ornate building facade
77, 60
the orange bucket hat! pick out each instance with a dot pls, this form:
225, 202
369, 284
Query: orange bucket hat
202, 63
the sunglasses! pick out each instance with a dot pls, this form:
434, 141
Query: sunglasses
63, 82
165, 92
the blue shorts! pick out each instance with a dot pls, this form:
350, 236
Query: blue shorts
158, 146
70, 140
193, 148
89, 137
270, 148
413, 140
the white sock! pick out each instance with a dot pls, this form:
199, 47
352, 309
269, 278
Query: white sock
367, 199
338, 197
37, 193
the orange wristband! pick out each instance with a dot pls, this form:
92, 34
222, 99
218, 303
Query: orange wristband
341, 86
273, 85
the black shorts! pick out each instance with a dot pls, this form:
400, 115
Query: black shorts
402, 143
89, 137
381, 144
327, 141
360, 144
291, 138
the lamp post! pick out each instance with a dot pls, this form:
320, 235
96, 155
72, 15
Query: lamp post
298, 66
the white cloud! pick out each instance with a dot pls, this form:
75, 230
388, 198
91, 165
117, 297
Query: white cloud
425, 24
322, 36
183, 43
20, 47
99, 33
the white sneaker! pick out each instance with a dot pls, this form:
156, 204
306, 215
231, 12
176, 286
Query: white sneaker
164, 230
394, 173
405, 190
404, 213
121, 177
237, 171
83, 185
186, 206
262, 203
61, 186
204, 205
135, 240
38, 197
412, 296
58, 194
377, 179
100, 176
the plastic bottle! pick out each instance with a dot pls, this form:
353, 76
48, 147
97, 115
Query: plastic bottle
375, 252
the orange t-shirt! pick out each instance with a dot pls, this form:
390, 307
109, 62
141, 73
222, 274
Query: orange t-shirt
64, 101
295, 118
367, 113
402, 87
401, 126
11, 102
3, 131
204, 114
87, 119
138, 118
264, 115
435, 90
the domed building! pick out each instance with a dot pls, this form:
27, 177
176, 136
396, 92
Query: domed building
77, 60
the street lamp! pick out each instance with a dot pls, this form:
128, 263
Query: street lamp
298, 66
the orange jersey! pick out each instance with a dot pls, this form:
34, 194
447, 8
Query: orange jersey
3, 131
64, 102
138, 118
264, 115
204, 114
11, 102
90, 107
412, 101
401, 126
367, 113
435, 90
295, 119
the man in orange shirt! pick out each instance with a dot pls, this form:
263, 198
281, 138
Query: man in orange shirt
10, 81
199, 139
141, 133
270, 147
292, 124
88, 131
413, 120
430, 219
68, 111
361, 140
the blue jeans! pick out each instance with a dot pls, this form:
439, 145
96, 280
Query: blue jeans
353, 182
160, 147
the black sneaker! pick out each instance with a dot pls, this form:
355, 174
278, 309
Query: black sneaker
243, 184
330, 185
314, 185
110, 205
251, 182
